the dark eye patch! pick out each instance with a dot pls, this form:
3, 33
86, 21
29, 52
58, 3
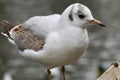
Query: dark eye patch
81, 16
71, 17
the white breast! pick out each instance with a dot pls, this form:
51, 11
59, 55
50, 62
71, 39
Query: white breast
61, 48
64, 48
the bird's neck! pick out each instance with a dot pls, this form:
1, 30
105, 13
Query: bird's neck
73, 32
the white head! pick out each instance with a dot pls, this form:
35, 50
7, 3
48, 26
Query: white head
79, 15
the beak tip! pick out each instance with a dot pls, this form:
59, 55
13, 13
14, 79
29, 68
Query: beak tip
96, 22
102, 25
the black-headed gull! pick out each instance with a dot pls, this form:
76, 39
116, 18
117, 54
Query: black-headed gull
54, 40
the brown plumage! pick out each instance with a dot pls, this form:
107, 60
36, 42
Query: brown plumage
6, 27
23, 38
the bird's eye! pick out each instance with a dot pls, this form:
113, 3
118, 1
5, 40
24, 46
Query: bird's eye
81, 16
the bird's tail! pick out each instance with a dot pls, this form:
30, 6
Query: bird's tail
5, 26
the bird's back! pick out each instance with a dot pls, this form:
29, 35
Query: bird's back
40, 26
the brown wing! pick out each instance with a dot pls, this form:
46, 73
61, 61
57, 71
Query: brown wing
24, 39
6, 27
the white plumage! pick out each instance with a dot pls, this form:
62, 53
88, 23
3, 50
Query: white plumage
64, 41
65, 36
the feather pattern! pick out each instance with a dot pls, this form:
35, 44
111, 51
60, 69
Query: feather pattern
6, 27
24, 39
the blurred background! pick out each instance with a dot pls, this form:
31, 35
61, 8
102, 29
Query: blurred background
103, 50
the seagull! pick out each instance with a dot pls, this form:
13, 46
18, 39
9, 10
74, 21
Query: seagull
54, 40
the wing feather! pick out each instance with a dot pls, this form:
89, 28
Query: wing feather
24, 39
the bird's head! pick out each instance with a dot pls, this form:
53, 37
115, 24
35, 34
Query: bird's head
80, 15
